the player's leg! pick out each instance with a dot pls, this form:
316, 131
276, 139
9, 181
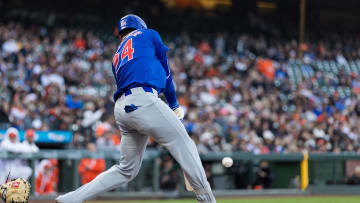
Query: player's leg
161, 123
132, 148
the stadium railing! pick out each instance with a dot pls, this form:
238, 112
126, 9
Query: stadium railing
327, 172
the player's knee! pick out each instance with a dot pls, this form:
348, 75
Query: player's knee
130, 171
134, 173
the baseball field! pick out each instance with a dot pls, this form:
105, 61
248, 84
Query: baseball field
327, 199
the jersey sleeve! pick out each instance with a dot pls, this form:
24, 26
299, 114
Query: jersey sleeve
170, 93
161, 50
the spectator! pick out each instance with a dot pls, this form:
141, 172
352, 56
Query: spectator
168, 174
240, 171
355, 178
209, 175
89, 168
264, 176
78, 141
90, 115
105, 142
3, 113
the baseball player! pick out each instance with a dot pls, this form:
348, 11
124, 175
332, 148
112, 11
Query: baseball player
141, 71
15, 188
16, 167
28, 145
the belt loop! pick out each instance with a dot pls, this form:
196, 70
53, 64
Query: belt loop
154, 91
148, 89
127, 92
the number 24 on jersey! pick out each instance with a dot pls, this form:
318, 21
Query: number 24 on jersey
127, 51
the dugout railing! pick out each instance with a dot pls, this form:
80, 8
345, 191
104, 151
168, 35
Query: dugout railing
327, 173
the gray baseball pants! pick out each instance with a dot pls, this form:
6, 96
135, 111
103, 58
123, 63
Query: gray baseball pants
152, 118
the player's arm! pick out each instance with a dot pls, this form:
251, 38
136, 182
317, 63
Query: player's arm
14, 148
169, 92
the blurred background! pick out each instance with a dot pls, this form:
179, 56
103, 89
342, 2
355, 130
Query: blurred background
261, 81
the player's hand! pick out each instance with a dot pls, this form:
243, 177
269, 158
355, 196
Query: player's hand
179, 112
15, 191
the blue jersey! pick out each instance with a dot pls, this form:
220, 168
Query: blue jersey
141, 61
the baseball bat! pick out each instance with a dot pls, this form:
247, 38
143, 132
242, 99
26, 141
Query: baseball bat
187, 184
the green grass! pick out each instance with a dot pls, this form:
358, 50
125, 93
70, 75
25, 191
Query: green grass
327, 199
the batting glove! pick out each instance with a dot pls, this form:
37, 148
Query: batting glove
179, 112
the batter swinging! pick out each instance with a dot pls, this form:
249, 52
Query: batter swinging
142, 72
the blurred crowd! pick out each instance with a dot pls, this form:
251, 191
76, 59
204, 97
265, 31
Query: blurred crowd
59, 79
234, 106
56, 80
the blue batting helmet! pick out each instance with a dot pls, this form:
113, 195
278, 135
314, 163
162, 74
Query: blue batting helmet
131, 21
